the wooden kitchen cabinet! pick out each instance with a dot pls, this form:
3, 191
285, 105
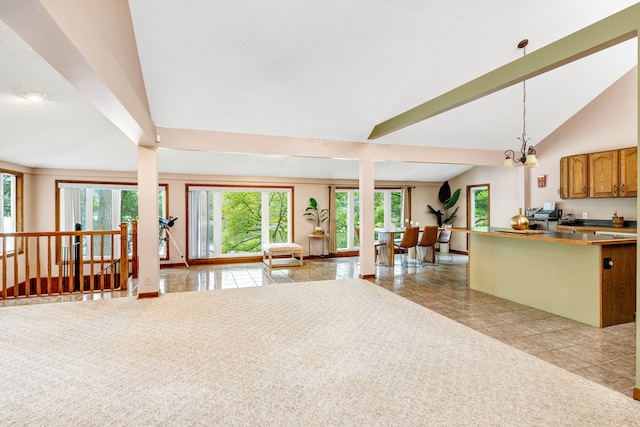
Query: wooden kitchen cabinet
603, 174
618, 285
564, 178
606, 174
628, 185
578, 171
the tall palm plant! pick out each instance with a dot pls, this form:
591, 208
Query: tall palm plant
448, 200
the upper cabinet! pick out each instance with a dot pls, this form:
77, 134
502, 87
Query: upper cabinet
574, 177
579, 176
564, 178
605, 174
628, 185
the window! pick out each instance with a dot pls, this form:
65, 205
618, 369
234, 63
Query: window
11, 195
97, 206
387, 213
229, 221
478, 205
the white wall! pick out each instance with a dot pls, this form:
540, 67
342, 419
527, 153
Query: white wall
608, 122
424, 194
506, 195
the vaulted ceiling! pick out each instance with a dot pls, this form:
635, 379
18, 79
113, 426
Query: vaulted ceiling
327, 70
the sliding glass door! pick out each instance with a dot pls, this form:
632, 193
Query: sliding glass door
230, 221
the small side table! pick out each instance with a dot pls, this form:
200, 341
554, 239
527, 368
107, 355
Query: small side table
322, 237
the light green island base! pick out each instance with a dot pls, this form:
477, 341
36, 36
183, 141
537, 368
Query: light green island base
558, 278
560, 273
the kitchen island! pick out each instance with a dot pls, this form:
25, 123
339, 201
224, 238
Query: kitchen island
584, 277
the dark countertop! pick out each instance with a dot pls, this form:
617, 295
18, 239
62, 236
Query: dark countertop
607, 223
593, 229
549, 236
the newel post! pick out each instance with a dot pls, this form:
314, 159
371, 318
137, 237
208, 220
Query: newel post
124, 257
134, 254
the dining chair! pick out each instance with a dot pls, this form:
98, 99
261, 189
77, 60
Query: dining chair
445, 237
428, 241
409, 240
378, 245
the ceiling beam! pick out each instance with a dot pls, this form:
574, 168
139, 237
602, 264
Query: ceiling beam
92, 45
238, 143
608, 32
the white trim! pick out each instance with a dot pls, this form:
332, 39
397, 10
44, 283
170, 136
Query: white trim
98, 186
241, 189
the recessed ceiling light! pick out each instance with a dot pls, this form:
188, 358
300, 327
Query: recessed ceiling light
35, 96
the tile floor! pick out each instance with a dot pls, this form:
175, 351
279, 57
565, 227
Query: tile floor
606, 356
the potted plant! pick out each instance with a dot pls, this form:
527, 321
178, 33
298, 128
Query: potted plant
318, 216
448, 200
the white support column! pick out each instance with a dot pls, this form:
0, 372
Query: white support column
367, 188
148, 231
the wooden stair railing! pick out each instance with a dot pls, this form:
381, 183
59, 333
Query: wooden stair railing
66, 262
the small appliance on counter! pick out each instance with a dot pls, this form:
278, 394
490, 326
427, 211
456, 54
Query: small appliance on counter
568, 219
548, 211
543, 219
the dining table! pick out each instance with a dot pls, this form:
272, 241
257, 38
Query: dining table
387, 235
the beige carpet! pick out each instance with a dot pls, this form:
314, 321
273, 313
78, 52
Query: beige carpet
301, 354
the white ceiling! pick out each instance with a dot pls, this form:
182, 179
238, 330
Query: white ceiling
329, 69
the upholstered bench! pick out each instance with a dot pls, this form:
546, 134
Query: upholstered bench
271, 250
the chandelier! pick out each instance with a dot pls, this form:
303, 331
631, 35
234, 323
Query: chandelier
527, 156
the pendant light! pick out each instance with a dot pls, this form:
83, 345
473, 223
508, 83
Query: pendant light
527, 156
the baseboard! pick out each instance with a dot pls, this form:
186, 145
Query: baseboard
367, 276
636, 393
172, 265
148, 295
343, 254
456, 251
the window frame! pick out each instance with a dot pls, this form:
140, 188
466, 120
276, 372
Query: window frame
17, 208
107, 185
218, 189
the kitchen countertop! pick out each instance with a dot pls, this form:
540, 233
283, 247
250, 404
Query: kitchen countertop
583, 228
550, 236
598, 223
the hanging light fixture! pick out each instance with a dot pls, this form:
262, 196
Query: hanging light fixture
527, 156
